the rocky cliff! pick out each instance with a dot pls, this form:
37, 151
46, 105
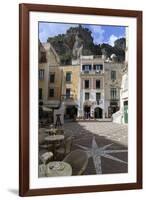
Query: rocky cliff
64, 45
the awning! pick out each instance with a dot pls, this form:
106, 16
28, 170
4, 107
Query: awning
51, 106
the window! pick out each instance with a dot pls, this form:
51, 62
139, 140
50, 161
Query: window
101, 67
86, 84
51, 92
52, 78
41, 74
97, 84
86, 95
86, 67
113, 75
68, 76
68, 93
40, 93
43, 57
98, 67
113, 93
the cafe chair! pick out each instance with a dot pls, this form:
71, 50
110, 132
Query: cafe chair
65, 149
78, 159
42, 143
45, 157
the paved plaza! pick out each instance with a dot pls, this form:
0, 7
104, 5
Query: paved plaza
105, 142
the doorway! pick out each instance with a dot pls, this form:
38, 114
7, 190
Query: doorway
71, 112
98, 113
87, 112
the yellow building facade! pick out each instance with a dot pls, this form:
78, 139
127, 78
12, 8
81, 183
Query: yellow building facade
47, 58
63, 87
57, 84
70, 90
70, 83
54, 85
62, 78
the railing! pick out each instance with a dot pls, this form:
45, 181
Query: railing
98, 56
67, 97
91, 72
91, 58
114, 99
93, 102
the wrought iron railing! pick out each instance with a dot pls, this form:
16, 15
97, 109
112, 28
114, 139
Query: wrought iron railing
67, 97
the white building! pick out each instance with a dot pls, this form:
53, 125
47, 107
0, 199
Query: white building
122, 115
100, 83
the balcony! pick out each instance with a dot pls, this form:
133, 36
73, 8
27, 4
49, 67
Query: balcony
92, 72
90, 102
67, 97
69, 100
114, 98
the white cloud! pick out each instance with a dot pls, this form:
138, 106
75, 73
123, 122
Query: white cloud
52, 29
97, 33
113, 38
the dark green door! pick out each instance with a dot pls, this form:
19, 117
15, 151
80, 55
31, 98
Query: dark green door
98, 113
126, 112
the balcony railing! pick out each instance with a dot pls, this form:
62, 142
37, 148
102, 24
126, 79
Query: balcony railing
92, 72
67, 97
114, 99
93, 102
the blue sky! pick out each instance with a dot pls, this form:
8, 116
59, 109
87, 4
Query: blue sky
101, 34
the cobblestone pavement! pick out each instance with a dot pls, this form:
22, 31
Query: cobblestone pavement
106, 144
109, 130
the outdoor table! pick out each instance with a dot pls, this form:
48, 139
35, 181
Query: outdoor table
60, 131
51, 131
54, 139
58, 168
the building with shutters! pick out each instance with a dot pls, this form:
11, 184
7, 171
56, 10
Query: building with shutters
91, 104
63, 87
112, 87
100, 83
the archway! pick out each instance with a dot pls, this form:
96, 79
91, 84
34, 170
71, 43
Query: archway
71, 112
98, 113
87, 111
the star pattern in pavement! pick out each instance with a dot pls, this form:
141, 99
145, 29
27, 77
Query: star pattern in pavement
97, 152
